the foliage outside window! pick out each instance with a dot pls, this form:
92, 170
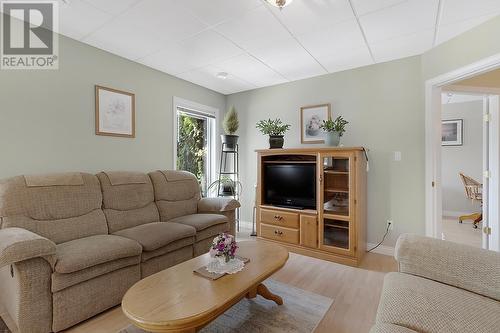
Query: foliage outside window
191, 147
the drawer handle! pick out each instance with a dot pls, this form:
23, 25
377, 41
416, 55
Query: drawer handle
277, 232
278, 217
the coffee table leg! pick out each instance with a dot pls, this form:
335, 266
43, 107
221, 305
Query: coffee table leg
264, 292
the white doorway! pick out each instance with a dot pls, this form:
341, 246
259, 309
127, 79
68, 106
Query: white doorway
434, 204
463, 162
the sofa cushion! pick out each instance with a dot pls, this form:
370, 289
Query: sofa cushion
90, 251
428, 306
154, 235
201, 221
57, 210
176, 193
62, 281
212, 231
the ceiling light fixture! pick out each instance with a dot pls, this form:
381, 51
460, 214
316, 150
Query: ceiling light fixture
222, 75
279, 3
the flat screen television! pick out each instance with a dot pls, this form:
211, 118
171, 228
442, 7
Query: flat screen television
290, 185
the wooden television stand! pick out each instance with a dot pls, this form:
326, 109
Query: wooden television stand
336, 229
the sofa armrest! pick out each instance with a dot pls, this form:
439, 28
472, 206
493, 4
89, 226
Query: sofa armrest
17, 244
217, 205
462, 266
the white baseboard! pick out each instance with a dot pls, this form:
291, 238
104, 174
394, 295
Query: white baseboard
382, 249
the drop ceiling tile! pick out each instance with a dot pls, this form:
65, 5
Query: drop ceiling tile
113, 7
459, 10
121, 38
406, 18
290, 60
303, 16
403, 47
256, 28
368, 6
78, 18
206, 77
172, 59
251, 69
342, 36
347, 59
216, 11
164, 18
448, 31
201, 50
208, 47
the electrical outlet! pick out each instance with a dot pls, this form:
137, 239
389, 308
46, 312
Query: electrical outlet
390, 225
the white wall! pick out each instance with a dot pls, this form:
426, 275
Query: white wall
467, 159
384, 105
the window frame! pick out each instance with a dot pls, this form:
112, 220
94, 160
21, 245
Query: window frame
213, 132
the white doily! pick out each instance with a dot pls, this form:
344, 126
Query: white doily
232, 266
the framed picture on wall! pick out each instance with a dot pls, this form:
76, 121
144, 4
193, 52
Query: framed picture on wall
452, 132
311, 117
114, 112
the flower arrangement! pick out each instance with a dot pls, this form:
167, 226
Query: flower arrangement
223, 246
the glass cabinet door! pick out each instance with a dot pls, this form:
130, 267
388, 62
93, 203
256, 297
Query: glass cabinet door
336, 229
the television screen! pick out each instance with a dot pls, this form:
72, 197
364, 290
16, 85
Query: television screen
290, 185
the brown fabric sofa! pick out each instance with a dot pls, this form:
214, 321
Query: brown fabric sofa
72, 244
440, 287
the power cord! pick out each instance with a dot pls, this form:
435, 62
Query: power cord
383, 238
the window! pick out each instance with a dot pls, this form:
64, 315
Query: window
195, 143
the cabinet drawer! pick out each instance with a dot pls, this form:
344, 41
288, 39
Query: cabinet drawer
280, 218
280, 234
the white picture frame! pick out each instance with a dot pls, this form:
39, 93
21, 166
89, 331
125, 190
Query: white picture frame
452, 132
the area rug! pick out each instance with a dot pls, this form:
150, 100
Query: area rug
301, 313
3, 327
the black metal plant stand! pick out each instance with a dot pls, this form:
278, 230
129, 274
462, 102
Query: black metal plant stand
232, 172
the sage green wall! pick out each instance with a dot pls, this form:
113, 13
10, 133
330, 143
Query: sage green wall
471, 46
384, 106
47, 117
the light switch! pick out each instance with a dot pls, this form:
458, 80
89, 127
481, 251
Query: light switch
397, 156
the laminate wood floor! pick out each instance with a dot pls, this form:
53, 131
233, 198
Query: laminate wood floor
355, 290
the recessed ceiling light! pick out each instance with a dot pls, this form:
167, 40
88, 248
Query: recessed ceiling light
222, 75
279, 3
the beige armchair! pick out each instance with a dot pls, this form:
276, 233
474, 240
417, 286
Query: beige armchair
441, 286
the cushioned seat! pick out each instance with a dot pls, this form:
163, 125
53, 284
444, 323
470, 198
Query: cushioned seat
201, 221
83, 253
206, 225
428, 306
153, 236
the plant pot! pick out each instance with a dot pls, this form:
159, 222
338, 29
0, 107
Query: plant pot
230, 140
276, 141
332, 139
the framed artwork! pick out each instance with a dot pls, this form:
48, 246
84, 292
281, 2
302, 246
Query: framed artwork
452, 132
114, 112
311, 117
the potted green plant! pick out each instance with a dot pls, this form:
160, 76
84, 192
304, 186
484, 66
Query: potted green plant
275, 129
334, 129
230, 125
225, 187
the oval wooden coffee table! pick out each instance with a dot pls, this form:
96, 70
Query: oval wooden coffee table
178, 300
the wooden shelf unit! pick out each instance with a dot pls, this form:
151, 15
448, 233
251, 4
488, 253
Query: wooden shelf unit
336, 229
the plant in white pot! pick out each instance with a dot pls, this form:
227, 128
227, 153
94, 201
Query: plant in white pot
334, 129
230, 125
275, 129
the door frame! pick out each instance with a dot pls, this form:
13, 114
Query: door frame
433, 90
